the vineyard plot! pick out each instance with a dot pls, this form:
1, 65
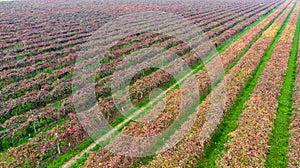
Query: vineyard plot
222, 75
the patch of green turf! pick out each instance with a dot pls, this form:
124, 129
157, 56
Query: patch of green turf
80, 161
57, 104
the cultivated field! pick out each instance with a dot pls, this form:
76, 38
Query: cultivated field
196, 83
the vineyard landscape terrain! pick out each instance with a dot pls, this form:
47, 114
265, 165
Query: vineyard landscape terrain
208, 83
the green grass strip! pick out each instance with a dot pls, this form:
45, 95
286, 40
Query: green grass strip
81, 161
277, 156
229, 124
